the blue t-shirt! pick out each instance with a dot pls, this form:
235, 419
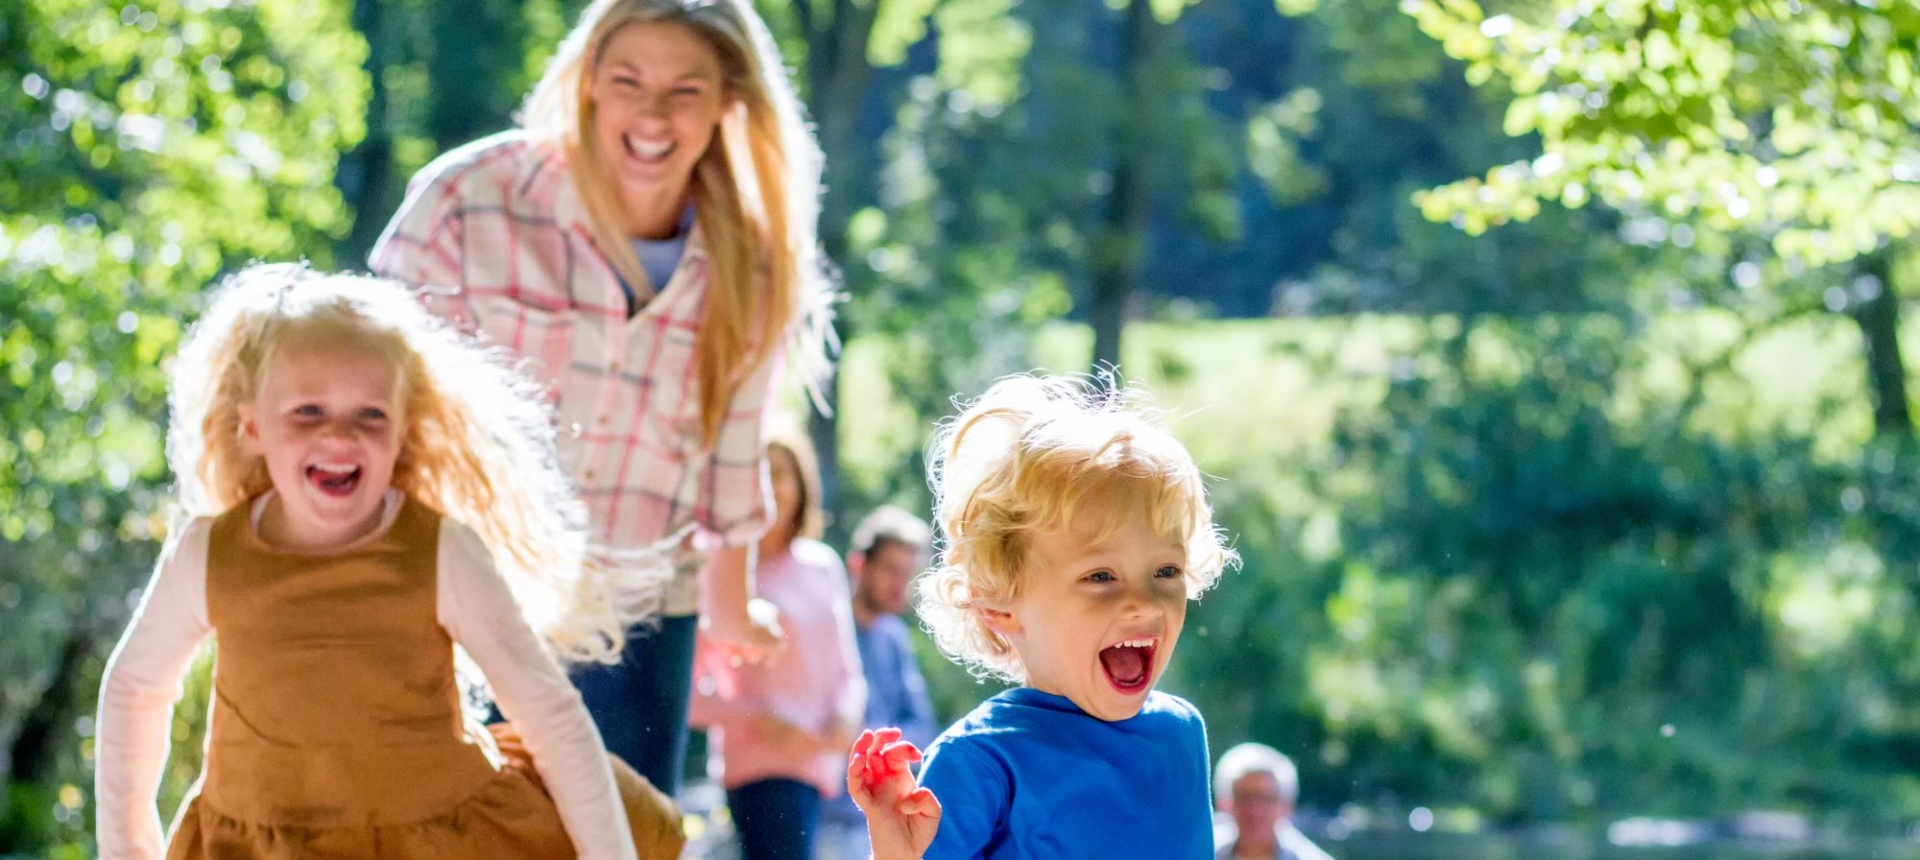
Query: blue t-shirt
1030, 775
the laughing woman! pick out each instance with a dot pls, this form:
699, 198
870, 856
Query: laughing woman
646, 242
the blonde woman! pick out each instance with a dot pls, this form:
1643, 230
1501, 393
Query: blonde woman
364, 489
646, 242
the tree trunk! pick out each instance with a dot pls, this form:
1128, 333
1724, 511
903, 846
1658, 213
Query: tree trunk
1879, 321
838, 74
50, 722
1116, 256
466, 74
365, 172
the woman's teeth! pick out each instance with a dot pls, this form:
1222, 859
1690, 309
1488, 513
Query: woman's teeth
647, 151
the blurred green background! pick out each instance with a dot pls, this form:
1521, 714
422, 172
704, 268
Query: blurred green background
1550, 354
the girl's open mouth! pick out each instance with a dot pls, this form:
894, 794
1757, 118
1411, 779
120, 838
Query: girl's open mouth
334, 480
1129, 664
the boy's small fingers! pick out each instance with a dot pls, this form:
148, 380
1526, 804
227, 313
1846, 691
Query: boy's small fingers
900, 751
878, 768
856, 783
921, 802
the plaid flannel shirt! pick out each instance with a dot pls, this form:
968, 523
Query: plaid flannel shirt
495, 237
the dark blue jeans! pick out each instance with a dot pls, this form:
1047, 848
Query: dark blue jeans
775, 818
640, 703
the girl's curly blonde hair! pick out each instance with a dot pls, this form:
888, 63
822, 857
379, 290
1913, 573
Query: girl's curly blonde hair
1035, 454
477, 446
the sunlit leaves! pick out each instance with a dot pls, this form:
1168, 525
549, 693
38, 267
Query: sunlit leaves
897, 26
148, 147
1797, 120
981, 49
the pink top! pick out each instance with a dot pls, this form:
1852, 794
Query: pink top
816, 686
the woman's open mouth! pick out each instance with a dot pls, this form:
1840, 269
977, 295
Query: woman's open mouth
648, 153
334, 479
1129, 664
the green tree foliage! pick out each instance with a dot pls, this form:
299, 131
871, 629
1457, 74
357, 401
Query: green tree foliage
1797, 122
1797, 119
1553, 568
1591, 524
149, 147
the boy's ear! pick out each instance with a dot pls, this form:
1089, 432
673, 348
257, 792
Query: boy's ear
249, 429
999, 621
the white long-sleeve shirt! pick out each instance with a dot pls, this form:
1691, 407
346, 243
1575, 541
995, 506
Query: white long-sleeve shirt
474, 606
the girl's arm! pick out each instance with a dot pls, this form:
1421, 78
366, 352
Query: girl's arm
478, 610
136, 698
901, 815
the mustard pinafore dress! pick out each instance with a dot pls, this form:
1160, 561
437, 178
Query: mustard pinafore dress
336, 728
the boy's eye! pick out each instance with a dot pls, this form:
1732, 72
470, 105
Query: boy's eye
373, 414
687, 91
1100, 576
307, 410
1168, 572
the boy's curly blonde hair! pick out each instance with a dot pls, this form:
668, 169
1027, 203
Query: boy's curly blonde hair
477, 446
1034, 454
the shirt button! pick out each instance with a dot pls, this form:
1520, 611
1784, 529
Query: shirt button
604, 420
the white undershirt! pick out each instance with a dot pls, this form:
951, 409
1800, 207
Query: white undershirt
474, 606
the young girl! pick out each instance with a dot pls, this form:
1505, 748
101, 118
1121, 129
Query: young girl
781, 733
647, 241
1076, 530
365, 489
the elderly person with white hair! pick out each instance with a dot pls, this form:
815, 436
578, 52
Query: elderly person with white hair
1255, 786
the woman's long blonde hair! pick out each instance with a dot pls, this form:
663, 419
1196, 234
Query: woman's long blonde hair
756, 191
477, 443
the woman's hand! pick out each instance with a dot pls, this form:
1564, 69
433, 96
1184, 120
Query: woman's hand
752, 635
747, 630
901, 816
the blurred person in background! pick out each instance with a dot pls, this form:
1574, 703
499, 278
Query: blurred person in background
1255, 787
888, 548
778, 735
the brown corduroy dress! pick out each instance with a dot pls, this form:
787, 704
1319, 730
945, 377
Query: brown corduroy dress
336, 728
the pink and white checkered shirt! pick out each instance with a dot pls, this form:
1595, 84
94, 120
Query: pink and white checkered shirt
495, 237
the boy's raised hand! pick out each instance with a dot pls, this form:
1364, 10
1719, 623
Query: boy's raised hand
901, 816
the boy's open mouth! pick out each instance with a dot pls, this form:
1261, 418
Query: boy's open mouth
334, 479
1129, 664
